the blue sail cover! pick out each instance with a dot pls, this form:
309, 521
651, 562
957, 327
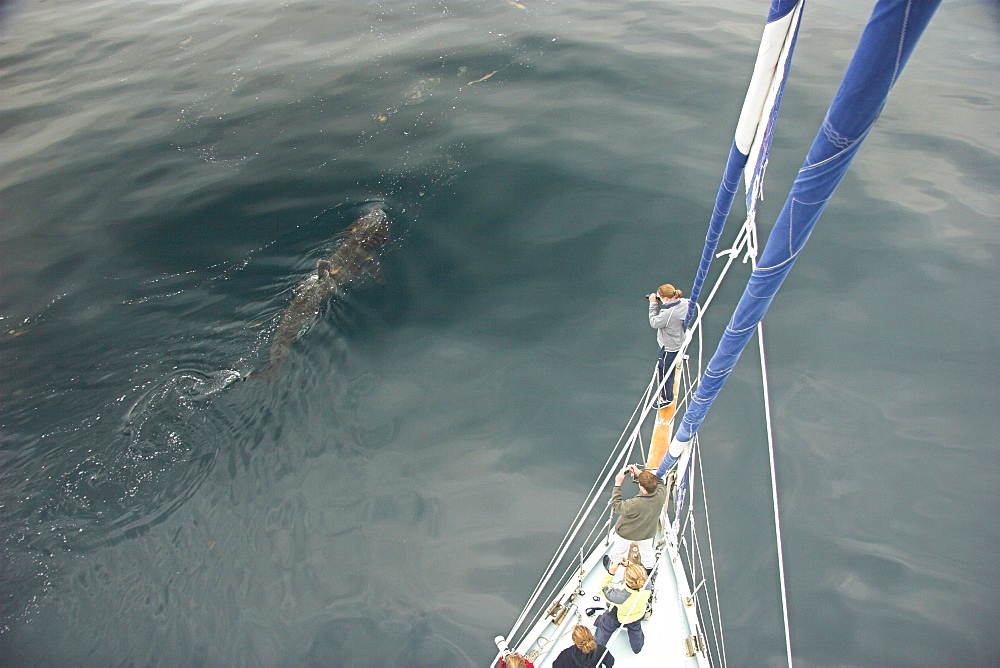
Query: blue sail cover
754, 129
888, 40
751, 145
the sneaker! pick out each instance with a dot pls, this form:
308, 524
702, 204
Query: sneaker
607, 563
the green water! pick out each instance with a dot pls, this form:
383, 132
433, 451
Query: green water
169, 173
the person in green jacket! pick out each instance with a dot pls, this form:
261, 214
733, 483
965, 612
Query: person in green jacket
628, 606
638, 517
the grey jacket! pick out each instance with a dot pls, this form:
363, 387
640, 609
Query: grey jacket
668, 321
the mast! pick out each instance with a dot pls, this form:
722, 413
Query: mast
755, 128
889, 38
748, 153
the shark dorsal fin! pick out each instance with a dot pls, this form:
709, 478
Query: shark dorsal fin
323, 268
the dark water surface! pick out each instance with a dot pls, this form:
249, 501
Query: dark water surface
171, 170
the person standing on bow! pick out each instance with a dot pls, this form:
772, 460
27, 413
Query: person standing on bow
667, 311
638, 518
628, 606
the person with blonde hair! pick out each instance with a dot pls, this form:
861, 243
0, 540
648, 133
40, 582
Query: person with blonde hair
514, 660
628, 606
667, 311
585, 652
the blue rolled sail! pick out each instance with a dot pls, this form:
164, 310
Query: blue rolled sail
887, 43
754, 129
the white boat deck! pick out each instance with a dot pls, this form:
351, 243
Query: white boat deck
665, 631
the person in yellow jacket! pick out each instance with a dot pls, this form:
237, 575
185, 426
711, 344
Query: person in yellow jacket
628, 606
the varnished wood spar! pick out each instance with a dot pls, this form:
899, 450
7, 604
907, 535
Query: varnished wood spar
664, 427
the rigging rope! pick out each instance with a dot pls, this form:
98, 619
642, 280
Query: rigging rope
774, 493
630, 437
721, 640
611, 465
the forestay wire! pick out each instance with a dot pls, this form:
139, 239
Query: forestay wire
628, 441
760, 111
613, 463
887, 42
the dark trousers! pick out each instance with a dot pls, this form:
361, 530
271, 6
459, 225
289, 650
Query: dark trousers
665, 366
608, 622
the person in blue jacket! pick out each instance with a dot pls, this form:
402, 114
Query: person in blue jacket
585, 652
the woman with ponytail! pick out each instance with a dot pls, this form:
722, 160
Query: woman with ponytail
584, 653
667, 311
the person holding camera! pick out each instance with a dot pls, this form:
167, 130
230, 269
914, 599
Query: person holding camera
667, 311
638, 518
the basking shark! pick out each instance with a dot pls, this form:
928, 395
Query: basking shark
355, 255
